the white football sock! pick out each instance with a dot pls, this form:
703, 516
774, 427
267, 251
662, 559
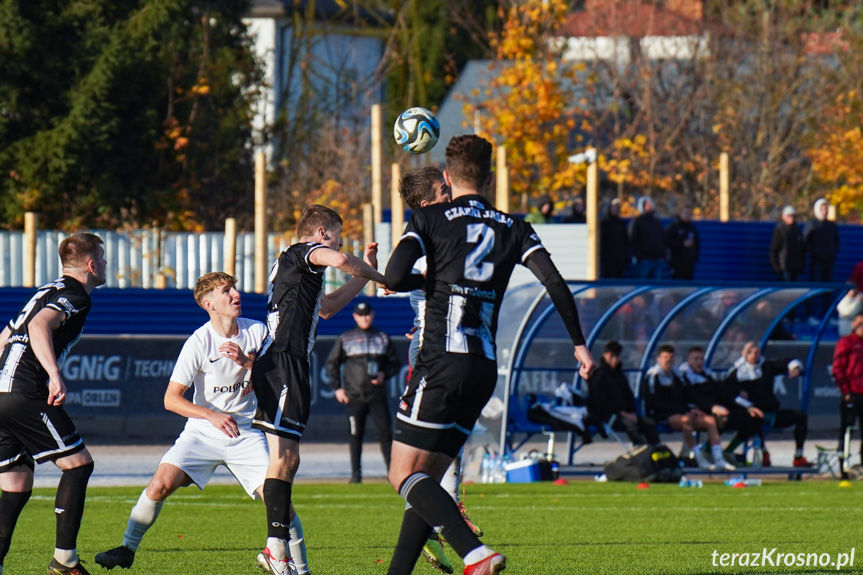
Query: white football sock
143, 515
716, 450
478, 555
67, 557
298, 546
277, 548
798, 453
450, 480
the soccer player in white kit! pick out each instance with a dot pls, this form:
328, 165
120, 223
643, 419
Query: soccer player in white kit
216, 360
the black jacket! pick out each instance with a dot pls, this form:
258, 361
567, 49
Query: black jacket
683, 259
613, 242
822, 240
663, 398
363, 353
787, 249
647, 238
609, 392
760, 390
703, 391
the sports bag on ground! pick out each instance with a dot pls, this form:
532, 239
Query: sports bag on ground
645, 463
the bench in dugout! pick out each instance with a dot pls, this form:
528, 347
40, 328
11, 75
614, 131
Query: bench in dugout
535, 414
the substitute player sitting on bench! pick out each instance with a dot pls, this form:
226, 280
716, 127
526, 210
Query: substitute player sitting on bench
217, 360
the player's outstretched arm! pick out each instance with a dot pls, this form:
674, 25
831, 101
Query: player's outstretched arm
176, 402
539, 262
398, 276
361, 270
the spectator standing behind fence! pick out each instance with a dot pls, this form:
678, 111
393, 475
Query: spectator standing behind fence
613, 242
647, 239
821, 237
577, 216
369, 358
543, 212
610, 399
683, 245
751, 380
787, 250
848, 374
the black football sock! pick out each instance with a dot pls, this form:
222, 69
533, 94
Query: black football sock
11, 504
413, 535
435, 506
69, 504
277, 500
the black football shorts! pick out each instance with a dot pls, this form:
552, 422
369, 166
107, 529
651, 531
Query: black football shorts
30, 429
444, 398
283, 388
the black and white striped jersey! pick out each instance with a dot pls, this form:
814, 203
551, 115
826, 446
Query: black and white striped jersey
21, 371
471, 249
294, 299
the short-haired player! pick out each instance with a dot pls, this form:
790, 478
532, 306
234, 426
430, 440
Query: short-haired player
419, 188
216, 360
34, 426
471, 251
295, 301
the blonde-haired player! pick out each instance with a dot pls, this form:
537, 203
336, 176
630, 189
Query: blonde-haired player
216, 360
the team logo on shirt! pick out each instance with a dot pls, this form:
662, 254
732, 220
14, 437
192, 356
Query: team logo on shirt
246, 386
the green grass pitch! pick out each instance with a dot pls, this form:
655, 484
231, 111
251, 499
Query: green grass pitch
543, 529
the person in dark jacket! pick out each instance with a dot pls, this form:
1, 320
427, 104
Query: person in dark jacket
787, 251
751, 380
613, 242
369, 358
665, 401
577, 215
821, 237
610, 399
704, 392
683, 245
647, 240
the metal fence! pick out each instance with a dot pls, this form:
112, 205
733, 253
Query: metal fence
137, 257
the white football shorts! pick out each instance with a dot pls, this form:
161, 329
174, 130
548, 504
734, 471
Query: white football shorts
198, 455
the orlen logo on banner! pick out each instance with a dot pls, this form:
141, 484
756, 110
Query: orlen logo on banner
93, 368
100, 398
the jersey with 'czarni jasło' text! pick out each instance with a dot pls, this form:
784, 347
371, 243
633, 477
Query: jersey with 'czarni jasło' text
21, 371
294, 299
471, 250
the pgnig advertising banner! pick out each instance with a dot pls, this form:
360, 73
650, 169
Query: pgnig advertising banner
126, 376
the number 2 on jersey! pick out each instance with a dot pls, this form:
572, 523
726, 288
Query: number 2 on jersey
22, 317
474, 268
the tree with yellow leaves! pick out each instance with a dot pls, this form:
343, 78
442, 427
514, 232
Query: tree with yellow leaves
836, 159
527, 105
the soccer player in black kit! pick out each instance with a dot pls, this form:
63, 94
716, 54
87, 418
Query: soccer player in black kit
280, 374
471, 250
33, 423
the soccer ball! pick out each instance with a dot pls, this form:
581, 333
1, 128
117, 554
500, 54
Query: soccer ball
416, 130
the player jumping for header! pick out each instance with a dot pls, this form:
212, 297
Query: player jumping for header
471, 249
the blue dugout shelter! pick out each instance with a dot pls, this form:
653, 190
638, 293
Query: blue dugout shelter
790, 320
